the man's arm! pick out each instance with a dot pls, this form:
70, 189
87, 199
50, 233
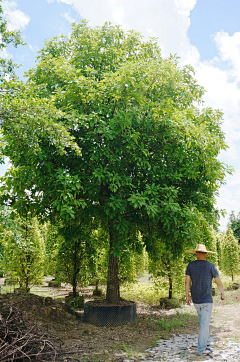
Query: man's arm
187, 287
220, 287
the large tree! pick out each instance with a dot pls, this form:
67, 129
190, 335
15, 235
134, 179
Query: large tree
148, 152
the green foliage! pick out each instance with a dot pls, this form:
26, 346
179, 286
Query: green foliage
77, 302
76, 247
52, 240
7, 38
235, 224
132, 264
219, 242
162, 263
98, 257
136, 150
23, 256
230, 254
211, 244
144, 292
142, 263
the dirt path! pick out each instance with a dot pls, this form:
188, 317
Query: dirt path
226, 319
225, 333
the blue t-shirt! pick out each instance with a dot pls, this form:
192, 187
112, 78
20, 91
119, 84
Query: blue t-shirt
201, 272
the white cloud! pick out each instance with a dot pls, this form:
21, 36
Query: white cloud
185, 6
33, 48
68, 17
167, 19
16, 18
229, 49
4, 53
225, 95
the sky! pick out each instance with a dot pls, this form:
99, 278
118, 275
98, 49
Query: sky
204, 33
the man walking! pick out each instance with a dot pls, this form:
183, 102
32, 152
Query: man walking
201, 272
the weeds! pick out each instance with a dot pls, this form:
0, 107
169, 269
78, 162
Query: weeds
127, 350
176, 321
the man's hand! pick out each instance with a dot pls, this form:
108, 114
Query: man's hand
189, 300
220, 287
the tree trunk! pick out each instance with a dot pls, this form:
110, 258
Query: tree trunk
96, 284
170, 287
112, 279
74, 277
26, 285
74, 285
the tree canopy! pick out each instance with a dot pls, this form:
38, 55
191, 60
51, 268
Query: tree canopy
141, 150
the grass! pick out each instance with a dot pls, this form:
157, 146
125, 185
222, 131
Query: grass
176, 321
143, 292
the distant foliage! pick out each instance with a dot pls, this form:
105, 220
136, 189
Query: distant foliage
235, 224
211, 244
51, 241
74, 250
23, 255
230, 254
219, 242
132, 265
164, 264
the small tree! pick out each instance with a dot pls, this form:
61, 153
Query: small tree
23, 255
52, 241
230, 254
98, 258
235, 224
164, 264
75, 248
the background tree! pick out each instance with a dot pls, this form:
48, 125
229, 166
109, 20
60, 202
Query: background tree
98, 257
52, 241
219, 242
23, 256
164, 264
148, 154
235, 224
74, 252
230, 254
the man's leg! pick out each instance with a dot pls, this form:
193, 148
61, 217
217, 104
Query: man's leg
204, 311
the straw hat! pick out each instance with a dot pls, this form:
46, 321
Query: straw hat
201, 248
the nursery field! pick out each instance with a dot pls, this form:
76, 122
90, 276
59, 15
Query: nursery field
78, 341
